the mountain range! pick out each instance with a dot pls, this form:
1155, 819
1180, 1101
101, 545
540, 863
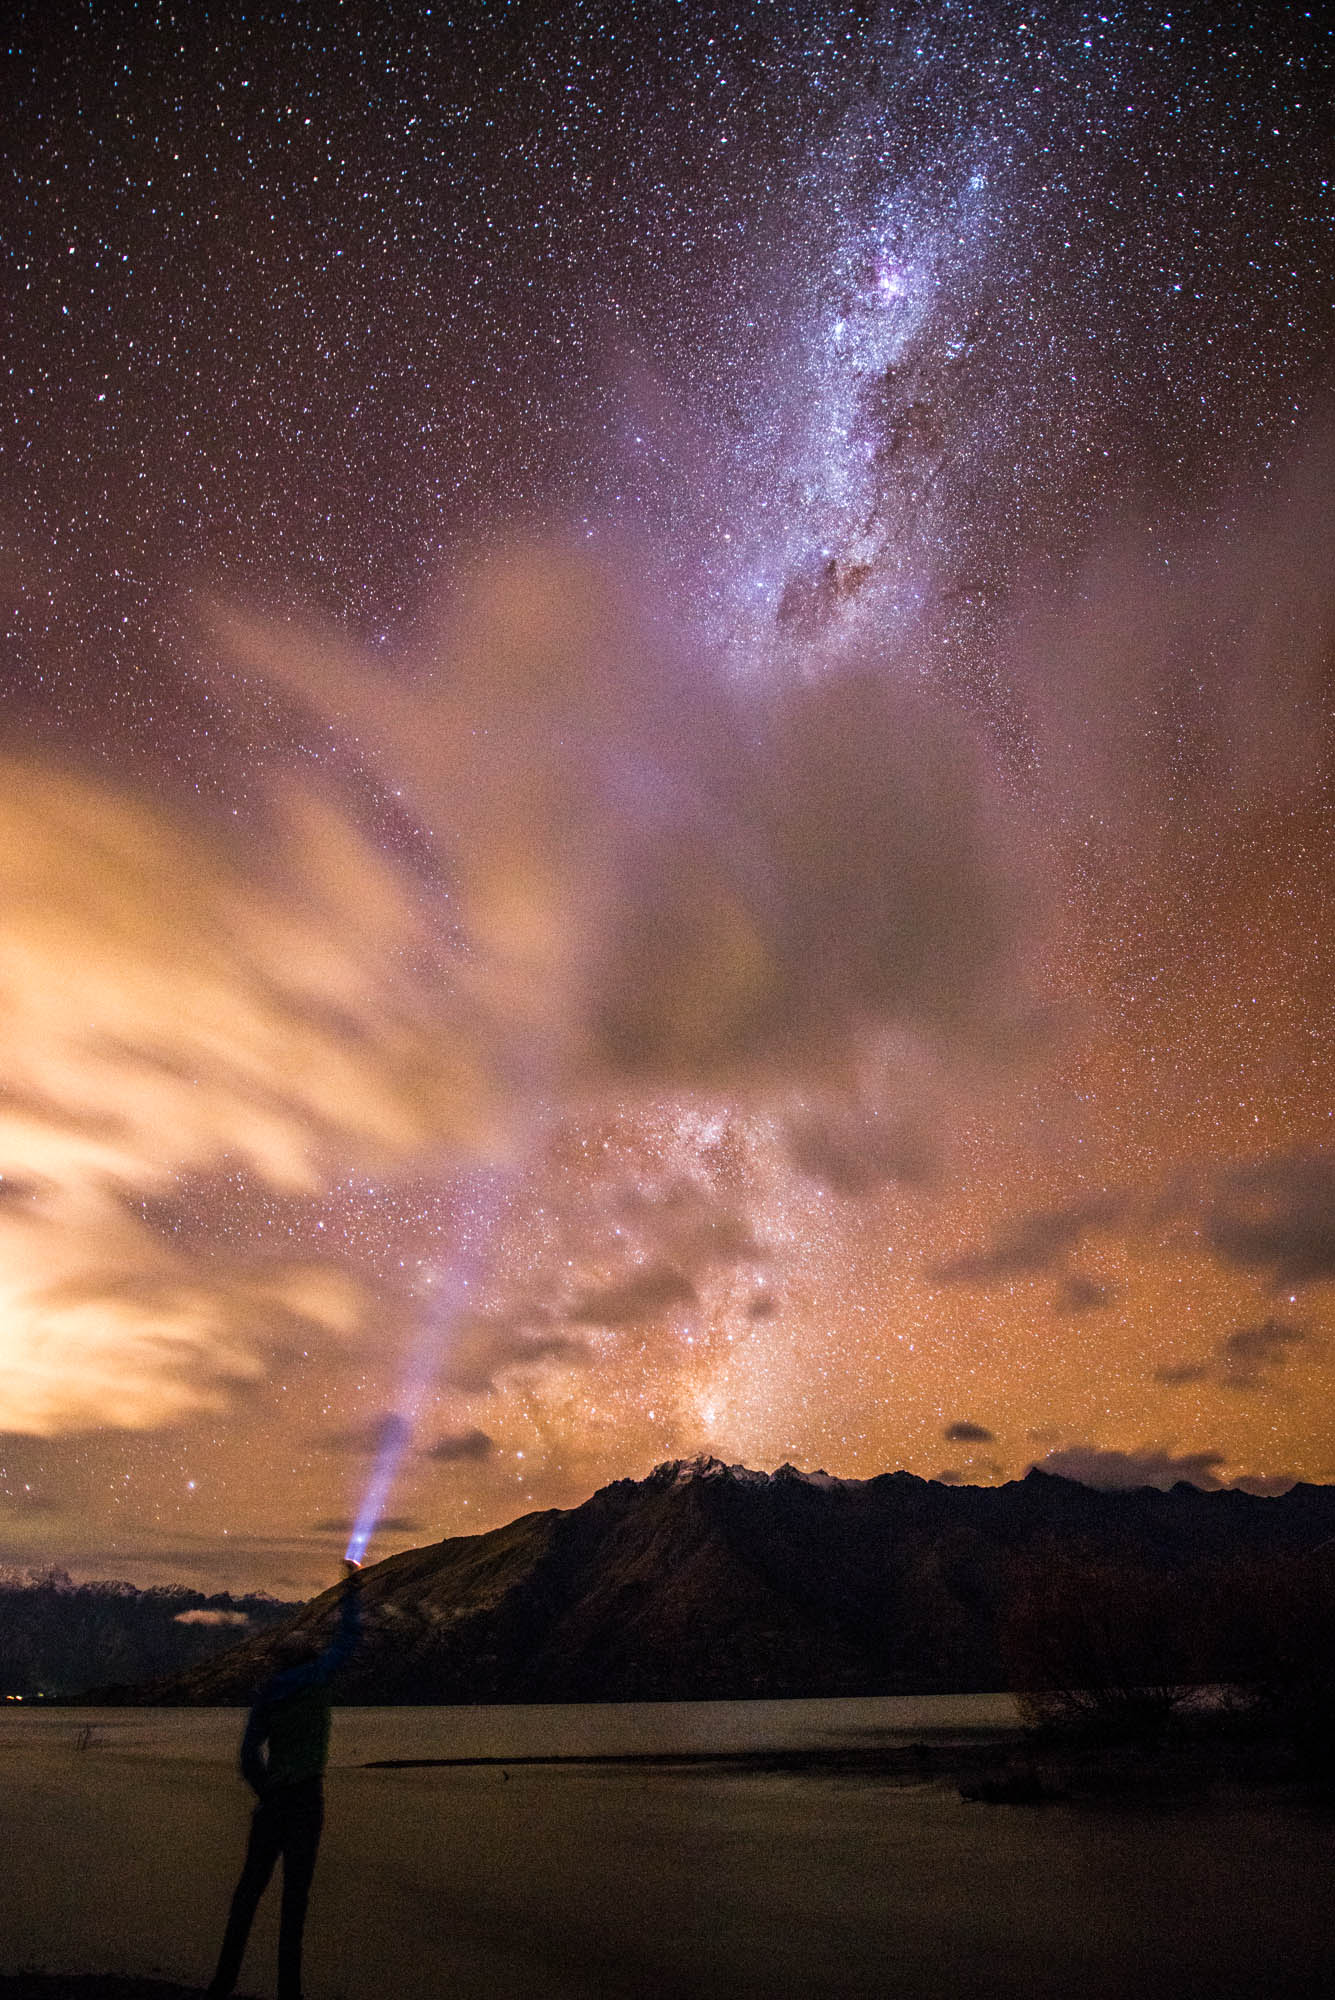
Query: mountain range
56, 1635
710, 1581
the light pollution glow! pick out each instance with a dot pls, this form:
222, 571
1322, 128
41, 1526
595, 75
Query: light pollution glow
775, 901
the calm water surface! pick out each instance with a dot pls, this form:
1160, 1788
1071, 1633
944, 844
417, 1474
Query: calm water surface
594, 1729
121, 1832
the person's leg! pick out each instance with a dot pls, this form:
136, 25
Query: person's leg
262, 1851
301, 1841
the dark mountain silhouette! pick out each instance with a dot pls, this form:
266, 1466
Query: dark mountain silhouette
57, 1635
711, 1581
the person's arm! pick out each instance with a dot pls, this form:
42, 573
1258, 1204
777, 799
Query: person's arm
347, 1632
349, 1629
314, 1673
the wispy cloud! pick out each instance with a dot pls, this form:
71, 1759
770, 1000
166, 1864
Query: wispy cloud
466, 1447
1121, 1471
380, 1433
1248, 1358
649, 893
1034, 1243
1276, 1216
388, 1524
486, 1346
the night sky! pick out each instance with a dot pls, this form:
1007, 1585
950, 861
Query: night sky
666, 759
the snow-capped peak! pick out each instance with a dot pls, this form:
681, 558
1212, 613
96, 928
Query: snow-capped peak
681, 1471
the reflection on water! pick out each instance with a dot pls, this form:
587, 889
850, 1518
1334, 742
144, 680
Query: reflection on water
570, 1730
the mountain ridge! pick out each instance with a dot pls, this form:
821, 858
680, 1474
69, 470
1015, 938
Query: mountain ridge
51, 1626
707, 1581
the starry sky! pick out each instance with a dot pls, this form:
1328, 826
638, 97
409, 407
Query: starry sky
667, 753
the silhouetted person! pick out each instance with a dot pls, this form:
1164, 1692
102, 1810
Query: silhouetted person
291, 1718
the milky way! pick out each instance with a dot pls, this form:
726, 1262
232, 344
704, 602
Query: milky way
514, 532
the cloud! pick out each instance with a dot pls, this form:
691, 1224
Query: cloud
664, 885
1277, 1217
1236, 616
1273, 1216
1079, 1293
236, 1009
99, 1327
207, 1617
388, 1524
126, 1333
171, 1006
1245, 1359
856, 1151
643, 1295
1032, 1243
485, 1346
656, 884
950, 1476
676, 1239
1122, 1471
687, 1226
461, 1447
386, 1432
23, 1504
966, 1433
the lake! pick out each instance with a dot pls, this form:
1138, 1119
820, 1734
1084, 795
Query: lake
122, 1831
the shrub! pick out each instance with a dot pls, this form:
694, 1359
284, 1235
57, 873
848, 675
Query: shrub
1104, 1645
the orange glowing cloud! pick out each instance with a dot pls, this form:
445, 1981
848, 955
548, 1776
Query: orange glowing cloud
169, 1007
